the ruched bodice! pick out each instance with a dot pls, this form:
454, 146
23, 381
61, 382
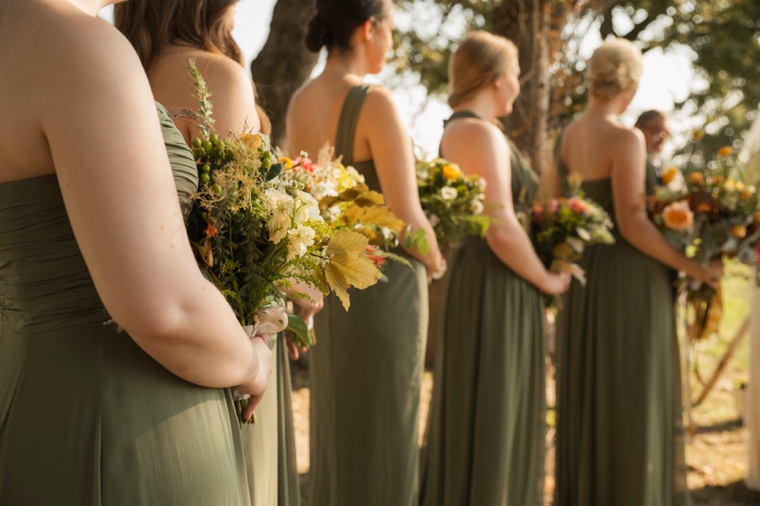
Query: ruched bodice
120, 419
44, 281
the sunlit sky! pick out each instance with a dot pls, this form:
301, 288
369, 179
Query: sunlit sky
668, 78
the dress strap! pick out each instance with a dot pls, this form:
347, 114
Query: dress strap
349, 116
456, 115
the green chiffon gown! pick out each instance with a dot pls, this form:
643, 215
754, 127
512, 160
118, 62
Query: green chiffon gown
86, 417
619, 414
269, 446
485, 439
366, 375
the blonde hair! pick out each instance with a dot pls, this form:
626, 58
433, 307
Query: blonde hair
480, 59
614, 67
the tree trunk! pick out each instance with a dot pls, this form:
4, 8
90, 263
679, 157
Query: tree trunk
284, 63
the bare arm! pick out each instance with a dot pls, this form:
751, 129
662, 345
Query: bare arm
120, 197
391, 149
628, 166
479, 148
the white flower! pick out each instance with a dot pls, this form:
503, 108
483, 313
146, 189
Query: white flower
325, 189
482, 183
423, 175
299, 241
449, 193
477, 207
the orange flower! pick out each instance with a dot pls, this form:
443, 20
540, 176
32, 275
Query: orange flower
211, 230
378, 260
745, 195
669, 175
451, 172
739, 231
577, 205
678, 216
725, 151
251, 141
757, 216
697, 178
697, 135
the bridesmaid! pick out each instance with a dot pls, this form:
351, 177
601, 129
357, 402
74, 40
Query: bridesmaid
366, 371
486, 431
165, 48
619, 418
93, 411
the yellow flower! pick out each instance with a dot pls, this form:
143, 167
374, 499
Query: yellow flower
740, 186
730, 185
739, 231
451, 171
697, 178
725, 151
287, 162
251, 141
697, 135
669, 175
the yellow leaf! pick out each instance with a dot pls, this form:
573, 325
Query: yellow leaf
375, 215
370, 198
348, 266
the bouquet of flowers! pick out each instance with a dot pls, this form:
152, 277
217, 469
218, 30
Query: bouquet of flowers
565, 229
255, 235
452, 201
707, 213
346, 203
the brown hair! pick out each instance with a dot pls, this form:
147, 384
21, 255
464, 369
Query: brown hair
336, 20
153, 25
478, 62
614, 67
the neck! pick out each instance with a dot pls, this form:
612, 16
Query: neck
481, 104
91, 7
607, 108
346, 63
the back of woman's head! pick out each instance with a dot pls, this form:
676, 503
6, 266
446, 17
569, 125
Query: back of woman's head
336, 21
615, 67
478, 62
153, 25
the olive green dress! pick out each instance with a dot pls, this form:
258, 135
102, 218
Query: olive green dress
269, 446
366, 375
485, 438
86, 417
619, 417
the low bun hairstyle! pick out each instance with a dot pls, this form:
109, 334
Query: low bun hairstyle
336, 20
478, 62
615, 67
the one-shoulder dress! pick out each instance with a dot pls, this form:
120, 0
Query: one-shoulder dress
366, 375
87, 418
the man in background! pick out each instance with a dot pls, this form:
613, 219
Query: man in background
654, 125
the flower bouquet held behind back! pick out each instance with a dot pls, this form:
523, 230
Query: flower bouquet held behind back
565, 229
255, 236
452, 201
708, 212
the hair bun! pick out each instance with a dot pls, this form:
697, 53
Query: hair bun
318, 34
614, 67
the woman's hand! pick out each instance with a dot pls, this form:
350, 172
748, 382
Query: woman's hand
306, 309
555, 283
256, 384
436, 269
710, 276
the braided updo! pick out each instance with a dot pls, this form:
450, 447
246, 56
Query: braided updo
614, 67
336, 20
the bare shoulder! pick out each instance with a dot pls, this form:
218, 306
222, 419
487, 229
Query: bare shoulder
379, 104
475, 132
623, 138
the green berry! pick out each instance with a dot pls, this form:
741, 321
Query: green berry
214, 138
197, 143
207, 145
199, 152
219, 146
267, 155
266, 163
205, 178
217, 189
206, 169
